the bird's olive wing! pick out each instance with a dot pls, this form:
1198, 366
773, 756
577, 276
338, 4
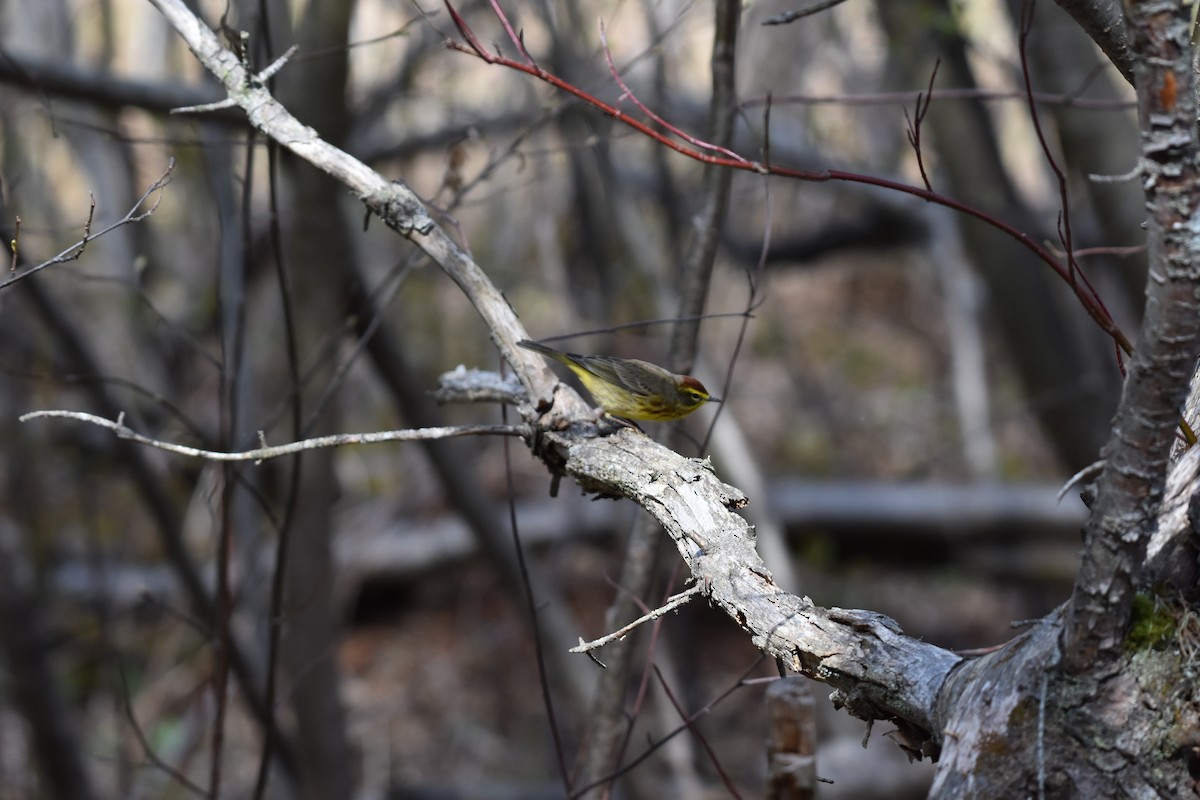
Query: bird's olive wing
640, 377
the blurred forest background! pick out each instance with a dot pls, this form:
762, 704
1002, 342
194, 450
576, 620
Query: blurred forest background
911, 391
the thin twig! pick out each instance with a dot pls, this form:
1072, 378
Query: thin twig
671, 604
517, 39
147, 748
539, 649
229, 102
627, 92
1064, 199
263, 453
742, 681
792, 16
648, 323
1065, 100
1086, 474
73, 252
691, 724
914, 123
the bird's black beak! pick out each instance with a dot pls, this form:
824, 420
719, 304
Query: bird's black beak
714, 400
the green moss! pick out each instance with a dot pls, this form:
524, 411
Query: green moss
1023, 713
1150, 626
993, 746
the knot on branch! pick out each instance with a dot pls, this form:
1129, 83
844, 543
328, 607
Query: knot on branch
401, 210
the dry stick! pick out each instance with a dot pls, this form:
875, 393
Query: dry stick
265, 452
73, 252
224, 633
673, 603
877, 671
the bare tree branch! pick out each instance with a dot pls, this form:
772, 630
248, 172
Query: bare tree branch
265, 452
135, 214
620, 633
1104, 21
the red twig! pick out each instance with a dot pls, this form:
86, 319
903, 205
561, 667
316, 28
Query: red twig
914, 123
766, 145
690, 721
654, 746
1064, 223
1082, 291
627, 92
1073, 275
643, 689
516, 38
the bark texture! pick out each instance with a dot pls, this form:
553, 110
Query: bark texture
1016, 724
1130, 489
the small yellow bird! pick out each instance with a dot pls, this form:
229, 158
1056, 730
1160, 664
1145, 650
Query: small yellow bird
626, 387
